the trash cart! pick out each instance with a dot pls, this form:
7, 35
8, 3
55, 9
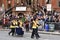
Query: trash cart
19, 31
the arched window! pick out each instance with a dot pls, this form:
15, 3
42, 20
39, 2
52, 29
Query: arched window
28, 2
9, 3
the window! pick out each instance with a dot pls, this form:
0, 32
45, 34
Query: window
17, 1
9, 3
59, 3
28, 2
48, 1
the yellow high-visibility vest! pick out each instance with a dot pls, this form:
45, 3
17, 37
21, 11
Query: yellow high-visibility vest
34, 24
12, 26
15, 23
21, 23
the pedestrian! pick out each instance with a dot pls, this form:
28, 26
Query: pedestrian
35, 29
12, 27
27, 25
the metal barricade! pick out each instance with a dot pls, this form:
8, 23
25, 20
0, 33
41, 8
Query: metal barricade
53, 26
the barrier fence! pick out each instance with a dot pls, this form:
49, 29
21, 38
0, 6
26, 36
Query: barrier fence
52, 26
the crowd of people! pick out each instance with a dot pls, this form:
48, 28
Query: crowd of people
34, 21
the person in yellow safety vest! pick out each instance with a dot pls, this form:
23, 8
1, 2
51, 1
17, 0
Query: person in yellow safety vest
35, 24
20, 23
35, 29
13, 26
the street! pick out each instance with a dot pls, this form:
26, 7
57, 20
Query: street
4, 36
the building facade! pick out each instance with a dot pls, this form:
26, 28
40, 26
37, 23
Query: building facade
30, 4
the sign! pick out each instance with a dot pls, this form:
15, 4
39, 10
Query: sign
20, 8
49, 6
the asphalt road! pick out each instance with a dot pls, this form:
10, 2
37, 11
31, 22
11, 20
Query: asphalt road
4, 36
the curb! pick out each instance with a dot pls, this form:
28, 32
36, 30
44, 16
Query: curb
52, 33
4, 29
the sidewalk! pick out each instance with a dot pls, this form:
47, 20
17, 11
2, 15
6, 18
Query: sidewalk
41, 32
